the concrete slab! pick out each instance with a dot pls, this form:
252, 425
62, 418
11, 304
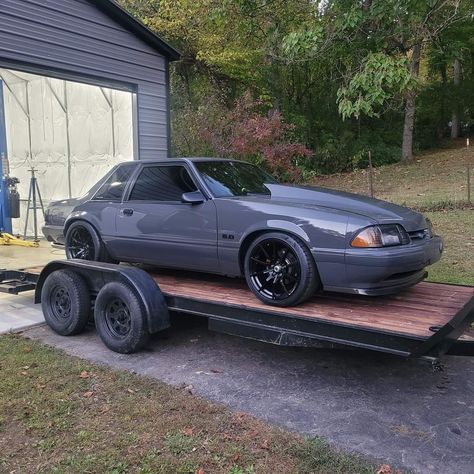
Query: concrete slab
13, 257
19, 312
382, 406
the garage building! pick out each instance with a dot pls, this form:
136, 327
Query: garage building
83, 85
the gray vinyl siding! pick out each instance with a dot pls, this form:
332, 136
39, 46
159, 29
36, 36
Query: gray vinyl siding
73, 37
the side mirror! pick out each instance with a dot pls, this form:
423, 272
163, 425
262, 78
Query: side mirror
194, 197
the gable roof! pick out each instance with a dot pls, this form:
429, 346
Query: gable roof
121, 16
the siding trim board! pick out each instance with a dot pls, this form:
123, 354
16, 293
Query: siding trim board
94, 42
65, 75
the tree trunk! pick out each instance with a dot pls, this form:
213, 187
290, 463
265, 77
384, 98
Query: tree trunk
455, 121
410, 108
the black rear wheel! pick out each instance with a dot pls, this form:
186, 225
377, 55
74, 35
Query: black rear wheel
80, 244
280, 270
84, 243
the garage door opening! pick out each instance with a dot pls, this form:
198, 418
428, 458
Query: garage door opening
71, 133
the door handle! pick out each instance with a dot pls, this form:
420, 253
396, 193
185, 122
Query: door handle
127, 212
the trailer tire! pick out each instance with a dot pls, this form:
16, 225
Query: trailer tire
66, 302
120, 318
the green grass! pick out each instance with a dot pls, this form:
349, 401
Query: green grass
435, 184
457, 262
430, 180
60, 414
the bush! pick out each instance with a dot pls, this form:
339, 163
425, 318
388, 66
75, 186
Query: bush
242, 132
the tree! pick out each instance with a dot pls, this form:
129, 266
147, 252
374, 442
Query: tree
455, 120
374, 40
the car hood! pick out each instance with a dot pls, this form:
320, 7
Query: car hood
375, 209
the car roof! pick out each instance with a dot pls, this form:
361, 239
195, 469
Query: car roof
190, 159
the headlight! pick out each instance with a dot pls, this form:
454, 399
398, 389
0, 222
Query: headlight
385, 235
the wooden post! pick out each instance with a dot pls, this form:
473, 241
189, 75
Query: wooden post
370, 176
468, 172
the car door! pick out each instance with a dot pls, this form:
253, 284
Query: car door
154, 226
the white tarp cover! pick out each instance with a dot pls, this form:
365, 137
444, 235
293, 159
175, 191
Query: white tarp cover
98, 139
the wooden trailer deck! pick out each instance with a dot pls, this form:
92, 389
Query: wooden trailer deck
426, 320
412, 312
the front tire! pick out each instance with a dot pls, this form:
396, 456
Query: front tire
280, 270
66, 303
120, 319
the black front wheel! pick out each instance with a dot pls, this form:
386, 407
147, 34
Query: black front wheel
120, 318
280, 270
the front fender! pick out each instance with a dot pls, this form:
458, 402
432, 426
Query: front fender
279, 226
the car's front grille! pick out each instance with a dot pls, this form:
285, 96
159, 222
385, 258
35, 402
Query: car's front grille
399, 276
419, 234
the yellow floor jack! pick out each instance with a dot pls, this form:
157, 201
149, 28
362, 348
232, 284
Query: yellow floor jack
8, 239
35, 203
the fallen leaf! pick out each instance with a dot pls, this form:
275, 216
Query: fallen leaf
188, 431
24, 372
227, 436
40, 386
27, 349
254, 434
265, 445
385, 469
84, 375
200, 471
87, 394
236, 457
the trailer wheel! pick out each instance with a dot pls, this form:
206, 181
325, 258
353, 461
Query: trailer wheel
66, 302
120, 318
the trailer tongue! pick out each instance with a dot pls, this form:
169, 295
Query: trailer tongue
428, 320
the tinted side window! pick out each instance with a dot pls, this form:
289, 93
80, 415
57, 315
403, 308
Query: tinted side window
112, 189
162, 183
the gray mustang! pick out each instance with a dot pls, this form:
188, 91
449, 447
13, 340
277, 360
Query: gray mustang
231, 218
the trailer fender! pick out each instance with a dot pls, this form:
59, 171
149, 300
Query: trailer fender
97, 274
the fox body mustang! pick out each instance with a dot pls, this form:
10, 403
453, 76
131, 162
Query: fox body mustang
231, 218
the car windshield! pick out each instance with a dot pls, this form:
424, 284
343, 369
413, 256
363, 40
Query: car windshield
233, 178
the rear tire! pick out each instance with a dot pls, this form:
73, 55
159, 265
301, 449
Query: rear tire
83, 242
120, 318
66, 302
280, 270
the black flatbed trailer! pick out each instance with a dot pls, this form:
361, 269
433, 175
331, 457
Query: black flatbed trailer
428, 320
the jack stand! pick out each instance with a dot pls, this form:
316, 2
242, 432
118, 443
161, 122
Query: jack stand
33, 197
8, 239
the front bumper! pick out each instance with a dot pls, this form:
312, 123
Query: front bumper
388, 270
